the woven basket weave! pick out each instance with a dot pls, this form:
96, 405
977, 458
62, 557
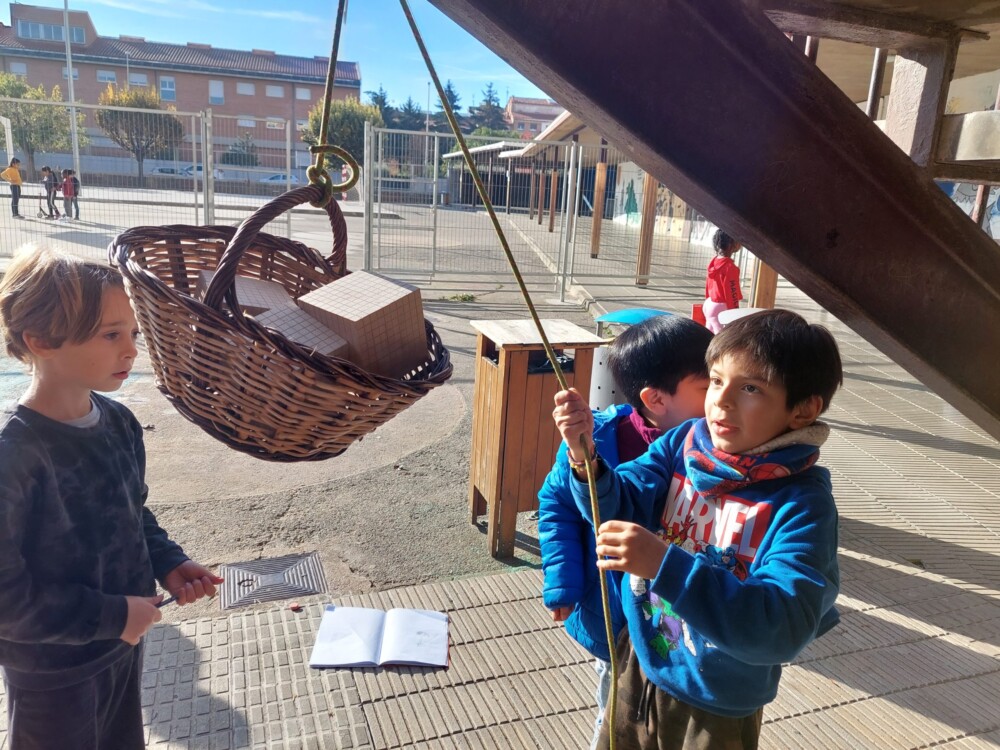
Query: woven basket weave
247, 385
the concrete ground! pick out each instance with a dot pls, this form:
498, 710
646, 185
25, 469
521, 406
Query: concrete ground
914, 664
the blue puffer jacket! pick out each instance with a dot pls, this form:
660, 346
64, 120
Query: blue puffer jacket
569, 556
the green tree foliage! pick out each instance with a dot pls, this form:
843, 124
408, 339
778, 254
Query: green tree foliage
143, 134
347, 127
241, 153
37, 127
409, 116
380, 99
489, 113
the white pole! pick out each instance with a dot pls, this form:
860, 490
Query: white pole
72, 97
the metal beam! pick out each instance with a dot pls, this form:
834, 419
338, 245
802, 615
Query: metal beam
712, 99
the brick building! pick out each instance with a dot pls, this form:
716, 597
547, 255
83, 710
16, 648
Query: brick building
529, 117
254, 86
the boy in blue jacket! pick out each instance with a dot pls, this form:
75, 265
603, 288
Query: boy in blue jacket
727, 531
659, 367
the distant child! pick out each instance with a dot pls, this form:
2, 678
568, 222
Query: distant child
68, 188
80, 553
12, 174
659, 367
76, 194
727, 530
722, 284
50, 185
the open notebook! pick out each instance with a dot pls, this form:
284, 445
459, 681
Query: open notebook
361, 637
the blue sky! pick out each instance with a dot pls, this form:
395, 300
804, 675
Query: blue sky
376, 36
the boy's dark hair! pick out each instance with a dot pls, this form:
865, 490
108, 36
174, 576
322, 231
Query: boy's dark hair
779, 346
46, 169
658, 353
14, 161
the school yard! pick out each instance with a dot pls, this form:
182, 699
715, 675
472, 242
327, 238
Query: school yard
915, 662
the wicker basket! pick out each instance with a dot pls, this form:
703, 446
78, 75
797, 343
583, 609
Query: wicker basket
244, 384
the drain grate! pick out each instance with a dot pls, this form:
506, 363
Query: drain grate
271, 579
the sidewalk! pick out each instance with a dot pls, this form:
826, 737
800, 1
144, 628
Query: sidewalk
915, 662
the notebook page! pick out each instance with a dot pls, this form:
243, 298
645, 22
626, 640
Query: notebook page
348, 636
415, 637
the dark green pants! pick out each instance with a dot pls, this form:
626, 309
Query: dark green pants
649, 719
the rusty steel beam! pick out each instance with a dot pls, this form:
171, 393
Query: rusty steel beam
712, 99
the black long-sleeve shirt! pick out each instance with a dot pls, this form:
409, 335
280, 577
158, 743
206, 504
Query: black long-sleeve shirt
75, 539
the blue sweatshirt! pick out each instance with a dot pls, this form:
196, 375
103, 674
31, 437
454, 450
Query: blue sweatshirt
751, 575
75, 539
569, 556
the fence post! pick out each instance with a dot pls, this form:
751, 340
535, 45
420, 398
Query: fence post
197, 129
369, 166
567, 205
434, 203
207, 170
288, 174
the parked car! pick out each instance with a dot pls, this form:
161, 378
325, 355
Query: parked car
190, 171
280, 179
165, 172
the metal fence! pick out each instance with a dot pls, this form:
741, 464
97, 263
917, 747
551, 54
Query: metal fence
142, 167
569, 211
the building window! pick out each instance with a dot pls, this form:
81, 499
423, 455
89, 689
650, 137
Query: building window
18, 68
138, 79
246, 89
246, 122
520, 126
50, 32
301, 124
107, 76
275, 123
303, 94
168, 89
534, 127
76, 73
216, 93
275, 91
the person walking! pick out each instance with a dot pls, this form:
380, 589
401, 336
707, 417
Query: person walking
12, 174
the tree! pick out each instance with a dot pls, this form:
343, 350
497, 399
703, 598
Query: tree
409, 116
37, 127
380, 99
489, 113
242, 153
143, 134
346, 128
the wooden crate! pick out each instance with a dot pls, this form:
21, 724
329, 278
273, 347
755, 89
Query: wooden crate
514, 440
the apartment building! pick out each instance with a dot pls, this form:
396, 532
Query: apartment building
529, 117
259, 88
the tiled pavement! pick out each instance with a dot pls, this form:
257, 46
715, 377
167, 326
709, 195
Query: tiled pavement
915, 662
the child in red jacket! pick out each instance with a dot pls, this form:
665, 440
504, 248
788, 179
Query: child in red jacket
722, 286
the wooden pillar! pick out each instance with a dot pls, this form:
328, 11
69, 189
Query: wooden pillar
765, 286
600, 187
531, 193
645, 255
920, 79
553, 191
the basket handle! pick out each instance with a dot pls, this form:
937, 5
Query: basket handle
223, 285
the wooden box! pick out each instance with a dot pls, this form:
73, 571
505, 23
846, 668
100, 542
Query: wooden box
382, 321
254, 295
300, 327
514, 440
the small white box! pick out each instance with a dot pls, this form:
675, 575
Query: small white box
300, 327
254, 295
381, 319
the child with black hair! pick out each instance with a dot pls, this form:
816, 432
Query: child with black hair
722, 283
69, 194
727, 531
76, 193
80, 553
659, 366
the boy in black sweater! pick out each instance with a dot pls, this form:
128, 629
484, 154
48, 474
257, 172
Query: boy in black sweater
80, 553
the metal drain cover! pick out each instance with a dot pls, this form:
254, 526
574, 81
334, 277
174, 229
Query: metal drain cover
272, 579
